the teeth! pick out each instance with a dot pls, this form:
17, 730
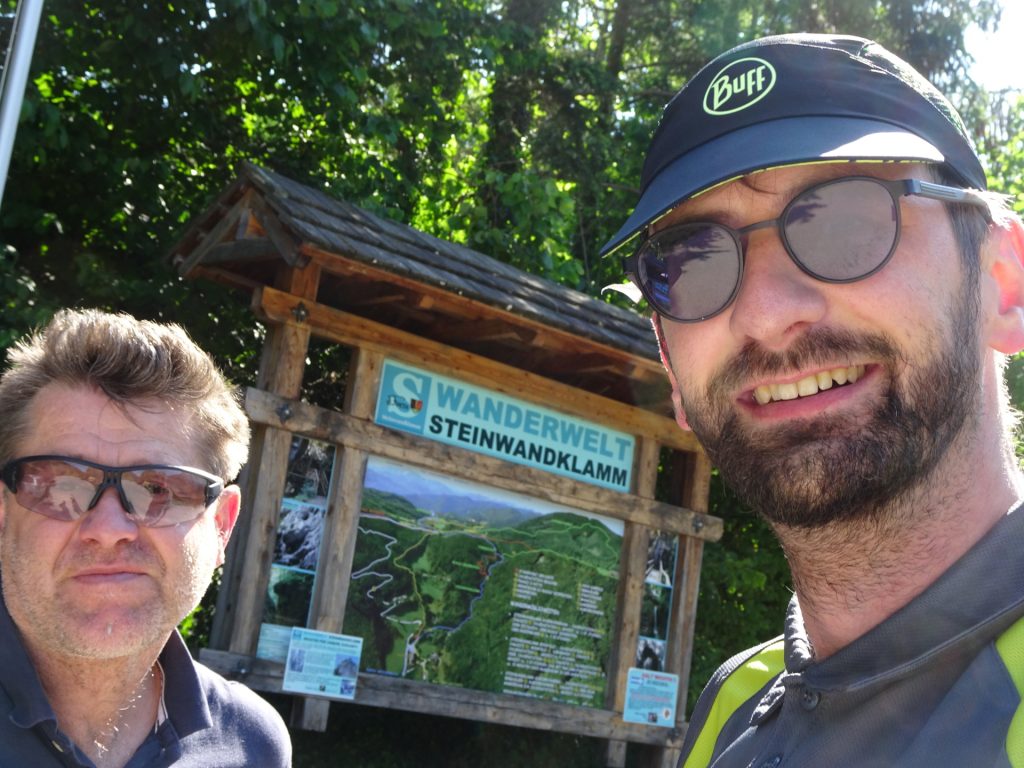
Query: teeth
809, 385
785, 392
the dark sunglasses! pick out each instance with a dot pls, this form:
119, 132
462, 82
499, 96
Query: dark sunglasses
839, 231
153, 495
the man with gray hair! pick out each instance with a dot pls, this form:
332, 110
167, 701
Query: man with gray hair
835, 295
117, 438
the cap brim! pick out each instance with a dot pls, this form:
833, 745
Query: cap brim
773, 144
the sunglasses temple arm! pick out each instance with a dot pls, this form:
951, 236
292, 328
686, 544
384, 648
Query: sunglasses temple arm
942, 192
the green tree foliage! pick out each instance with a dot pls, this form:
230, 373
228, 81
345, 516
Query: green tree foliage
517, 127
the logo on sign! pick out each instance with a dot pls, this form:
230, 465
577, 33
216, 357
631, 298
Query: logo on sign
738, 85
403, 395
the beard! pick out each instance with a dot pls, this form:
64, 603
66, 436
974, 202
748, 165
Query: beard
845, 468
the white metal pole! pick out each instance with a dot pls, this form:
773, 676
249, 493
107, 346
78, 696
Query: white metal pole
16, 67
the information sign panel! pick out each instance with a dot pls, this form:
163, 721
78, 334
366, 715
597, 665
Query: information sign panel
322, 663
459, 584
455, 413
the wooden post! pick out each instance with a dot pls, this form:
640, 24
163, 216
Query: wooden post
231, 573
632, 564
338, 542
282, 365
696, 477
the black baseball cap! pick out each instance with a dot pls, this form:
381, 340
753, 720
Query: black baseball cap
792, 99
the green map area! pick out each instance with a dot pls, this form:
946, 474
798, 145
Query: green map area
492, 598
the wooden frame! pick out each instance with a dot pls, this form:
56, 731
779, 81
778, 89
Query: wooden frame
320, 267
356, 436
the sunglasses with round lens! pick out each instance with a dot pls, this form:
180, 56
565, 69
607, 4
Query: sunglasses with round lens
838, 231
153, 495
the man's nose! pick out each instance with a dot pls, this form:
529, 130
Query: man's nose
777, 300
108, 521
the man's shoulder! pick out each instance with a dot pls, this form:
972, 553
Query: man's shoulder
736, 683
236, 705
754, 666
243, 728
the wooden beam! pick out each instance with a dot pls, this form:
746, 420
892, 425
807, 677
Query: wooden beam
696, 489
360, 434
452, 701
249, 228
388, 299
248, 251
286, 242
632, 566
488, 329
282, 365
231, 573
199, 226
224, 277
283, 358
345, 328
300, 282
341, 524
696, 481
258, 550
474, 308
221, 231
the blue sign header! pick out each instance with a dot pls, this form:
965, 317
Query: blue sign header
455, 413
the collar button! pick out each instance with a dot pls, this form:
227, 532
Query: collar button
809, 699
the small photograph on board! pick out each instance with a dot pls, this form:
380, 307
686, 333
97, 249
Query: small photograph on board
650, 654
654, 611
661, 558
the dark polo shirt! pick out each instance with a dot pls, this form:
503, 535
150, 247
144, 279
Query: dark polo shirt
211, 722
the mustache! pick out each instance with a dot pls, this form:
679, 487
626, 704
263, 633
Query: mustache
127, 554
817, 346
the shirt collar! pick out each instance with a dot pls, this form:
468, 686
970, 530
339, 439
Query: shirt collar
187, 706
18, 677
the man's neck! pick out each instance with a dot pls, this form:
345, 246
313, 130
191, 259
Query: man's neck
106, 707
850, 577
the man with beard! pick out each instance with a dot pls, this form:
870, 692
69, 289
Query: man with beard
115, 442
834, 297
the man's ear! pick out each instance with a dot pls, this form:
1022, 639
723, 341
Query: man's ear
1003, 286
228, 504
677, 398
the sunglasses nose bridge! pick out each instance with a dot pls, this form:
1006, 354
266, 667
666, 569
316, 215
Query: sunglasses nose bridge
111, 480
743, 234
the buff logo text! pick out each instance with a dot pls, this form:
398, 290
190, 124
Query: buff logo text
738, 85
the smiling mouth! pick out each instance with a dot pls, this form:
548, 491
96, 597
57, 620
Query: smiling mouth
809, 385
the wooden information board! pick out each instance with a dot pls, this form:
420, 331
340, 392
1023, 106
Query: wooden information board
480, 510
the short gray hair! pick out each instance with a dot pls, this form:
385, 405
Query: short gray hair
131, 361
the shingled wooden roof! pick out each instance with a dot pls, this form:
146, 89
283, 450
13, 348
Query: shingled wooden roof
395, 275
